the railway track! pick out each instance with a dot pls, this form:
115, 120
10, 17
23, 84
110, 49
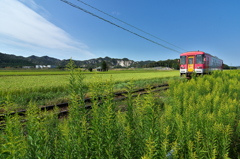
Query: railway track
117, 97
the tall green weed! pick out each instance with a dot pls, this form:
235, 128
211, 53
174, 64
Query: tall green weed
198, 119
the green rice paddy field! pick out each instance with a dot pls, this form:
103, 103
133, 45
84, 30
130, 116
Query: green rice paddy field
51, 86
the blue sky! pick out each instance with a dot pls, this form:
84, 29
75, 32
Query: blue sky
56, 29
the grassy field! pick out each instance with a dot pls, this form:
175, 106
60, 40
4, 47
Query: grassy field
197, 118
51, 87
36, 72
28, 81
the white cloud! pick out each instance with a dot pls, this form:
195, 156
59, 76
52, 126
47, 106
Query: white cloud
22, 26
32, 4
37, 8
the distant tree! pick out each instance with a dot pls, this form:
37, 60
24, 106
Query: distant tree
60, 67
225, 66
167, 63
90, 69
104, 66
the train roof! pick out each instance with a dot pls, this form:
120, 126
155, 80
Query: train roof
197, 53
192, 53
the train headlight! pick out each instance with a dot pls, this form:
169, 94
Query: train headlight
199, 67
182, 67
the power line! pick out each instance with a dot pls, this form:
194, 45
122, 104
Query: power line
130, 25
75, 6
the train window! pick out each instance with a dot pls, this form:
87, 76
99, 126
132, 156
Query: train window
199, 59
190, 60
182, 60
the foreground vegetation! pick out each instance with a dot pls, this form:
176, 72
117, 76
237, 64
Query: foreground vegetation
198, 118
48, 87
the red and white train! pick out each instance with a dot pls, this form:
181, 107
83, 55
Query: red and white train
199, 62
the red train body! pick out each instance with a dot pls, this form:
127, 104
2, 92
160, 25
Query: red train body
198, 62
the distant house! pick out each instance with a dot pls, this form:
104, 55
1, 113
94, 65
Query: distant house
45, 66
40, 66
27, 67
51, 66
99, 69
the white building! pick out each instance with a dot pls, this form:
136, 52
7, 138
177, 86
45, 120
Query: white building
45, 66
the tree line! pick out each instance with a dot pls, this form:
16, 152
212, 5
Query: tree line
166, 63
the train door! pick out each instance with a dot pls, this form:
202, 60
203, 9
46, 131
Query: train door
190, 63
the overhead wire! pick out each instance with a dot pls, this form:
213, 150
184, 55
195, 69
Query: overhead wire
130, 25
84, 10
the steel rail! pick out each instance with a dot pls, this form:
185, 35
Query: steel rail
89, 106
117, 97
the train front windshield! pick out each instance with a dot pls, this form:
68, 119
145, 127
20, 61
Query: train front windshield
199, 59
182, 60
